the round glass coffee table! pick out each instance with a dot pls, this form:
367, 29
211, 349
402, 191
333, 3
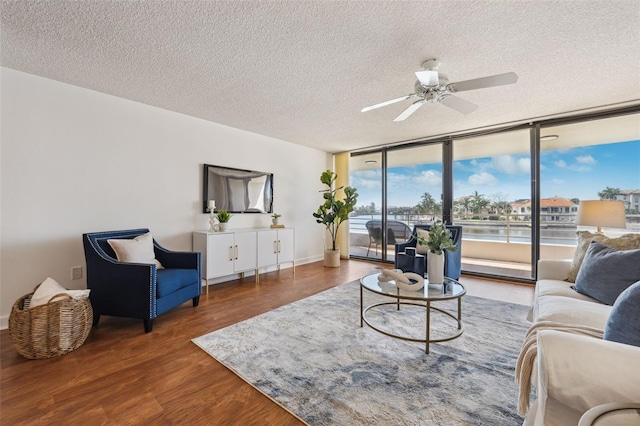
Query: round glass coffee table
450, 289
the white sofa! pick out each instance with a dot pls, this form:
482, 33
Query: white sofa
574, 370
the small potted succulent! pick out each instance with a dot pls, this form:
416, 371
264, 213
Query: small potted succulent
274, 218
223, 217
438, 240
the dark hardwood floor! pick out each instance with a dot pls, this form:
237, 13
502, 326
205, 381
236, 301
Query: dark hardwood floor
122, 376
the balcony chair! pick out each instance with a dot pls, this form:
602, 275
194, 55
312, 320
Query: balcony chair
138, 290
452, 260
396, 231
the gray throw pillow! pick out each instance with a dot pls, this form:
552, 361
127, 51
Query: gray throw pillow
607, 272
623, 325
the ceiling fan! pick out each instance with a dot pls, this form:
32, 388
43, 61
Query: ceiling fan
434, 87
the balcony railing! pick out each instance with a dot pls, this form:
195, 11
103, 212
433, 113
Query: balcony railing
555, 228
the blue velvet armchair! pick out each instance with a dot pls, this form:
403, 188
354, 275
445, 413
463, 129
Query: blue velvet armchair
452, 260
138, 290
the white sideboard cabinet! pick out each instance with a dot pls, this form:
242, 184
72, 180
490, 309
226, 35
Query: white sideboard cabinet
238, 251
275, 247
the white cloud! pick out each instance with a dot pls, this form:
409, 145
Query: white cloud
483, 178
511, 165
586, 159
367, 179
556, 181
428, 178
561, 164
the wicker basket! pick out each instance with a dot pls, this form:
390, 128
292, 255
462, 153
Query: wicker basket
49, 330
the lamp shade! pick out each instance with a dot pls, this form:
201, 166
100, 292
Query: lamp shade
601, 213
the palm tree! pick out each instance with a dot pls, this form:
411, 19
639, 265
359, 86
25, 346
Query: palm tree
427, 204
478, 202
609, 193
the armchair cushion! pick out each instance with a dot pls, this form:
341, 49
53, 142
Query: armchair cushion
171, 280
607, 272
623, 325
135, 250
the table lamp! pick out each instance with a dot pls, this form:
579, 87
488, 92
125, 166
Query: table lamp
602, 214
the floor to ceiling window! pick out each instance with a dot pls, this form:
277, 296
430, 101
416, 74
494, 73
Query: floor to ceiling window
491, 181
365, 174
412, 185
590, 160
516, 192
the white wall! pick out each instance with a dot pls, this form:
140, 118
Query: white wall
74, 160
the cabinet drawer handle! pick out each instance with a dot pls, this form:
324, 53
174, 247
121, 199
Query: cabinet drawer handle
231, 253
279, 248
236, 252
275, 247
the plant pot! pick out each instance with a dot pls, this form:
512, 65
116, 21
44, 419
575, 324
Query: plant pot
332, 258
222, 226
435, 268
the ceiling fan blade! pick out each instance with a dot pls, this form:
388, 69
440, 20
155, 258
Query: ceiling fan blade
428, 77
407, 112
392, 101
459, 104
481, 83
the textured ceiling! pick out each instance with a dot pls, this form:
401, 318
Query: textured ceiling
301, 71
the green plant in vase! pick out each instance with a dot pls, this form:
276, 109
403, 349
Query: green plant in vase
438, 240
333, 212
223, 217
275, 217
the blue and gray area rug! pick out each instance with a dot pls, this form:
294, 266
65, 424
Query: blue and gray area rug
312, 358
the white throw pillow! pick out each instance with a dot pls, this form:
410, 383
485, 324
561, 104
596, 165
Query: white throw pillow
136, 250
50, 288
420, 249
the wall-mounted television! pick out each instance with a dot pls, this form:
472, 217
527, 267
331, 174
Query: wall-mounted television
237, 190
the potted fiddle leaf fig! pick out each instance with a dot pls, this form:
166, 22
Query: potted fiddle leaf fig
438, 240
333, 212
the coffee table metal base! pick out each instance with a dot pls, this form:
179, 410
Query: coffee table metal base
429, 308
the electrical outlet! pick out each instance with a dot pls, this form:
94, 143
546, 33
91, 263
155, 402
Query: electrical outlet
76, 272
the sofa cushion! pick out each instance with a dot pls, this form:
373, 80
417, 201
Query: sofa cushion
559, 288
625, 242
135, 250
623, 325
171, 280
569, 311
607, 272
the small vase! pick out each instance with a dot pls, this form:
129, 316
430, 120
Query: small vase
222, 226
435, 268
332, 258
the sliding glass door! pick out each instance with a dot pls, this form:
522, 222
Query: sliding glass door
408, 190
365, 174
492, 201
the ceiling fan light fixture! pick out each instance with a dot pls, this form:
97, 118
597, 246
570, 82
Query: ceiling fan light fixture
428, 77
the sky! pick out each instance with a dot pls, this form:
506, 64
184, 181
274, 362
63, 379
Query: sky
579, 172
